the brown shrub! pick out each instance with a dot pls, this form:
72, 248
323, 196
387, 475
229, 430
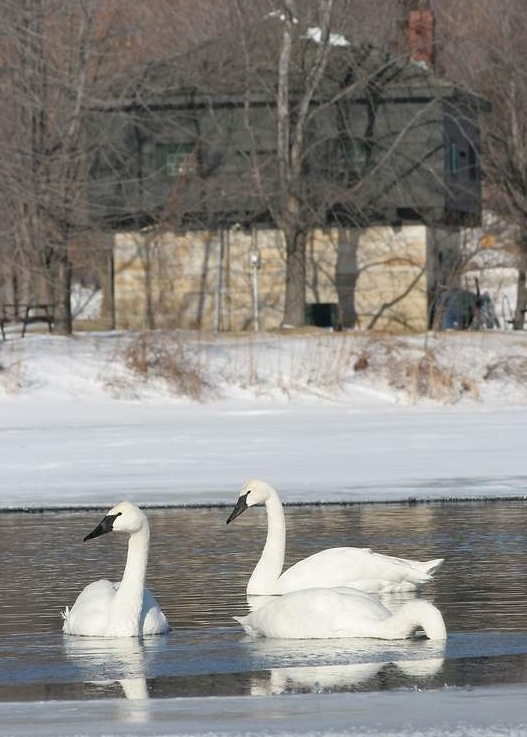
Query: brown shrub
509, 367
426, 378
154, 355
362, 362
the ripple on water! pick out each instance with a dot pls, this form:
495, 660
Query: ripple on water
198, 570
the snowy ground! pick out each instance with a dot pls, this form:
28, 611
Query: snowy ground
77, 427
460, 713
325, 417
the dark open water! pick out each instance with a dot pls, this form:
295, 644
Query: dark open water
198, 571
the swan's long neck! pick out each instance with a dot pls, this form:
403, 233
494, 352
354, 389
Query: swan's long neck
125, 615
268, 569
418, 615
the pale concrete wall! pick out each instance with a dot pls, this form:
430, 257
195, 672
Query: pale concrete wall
205, 280
392, 273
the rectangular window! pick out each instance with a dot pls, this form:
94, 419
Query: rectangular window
346, 156
454, 159
173, 159
472, 164
355, 153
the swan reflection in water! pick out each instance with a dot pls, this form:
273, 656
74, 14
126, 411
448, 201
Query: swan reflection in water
105, 661
321, 678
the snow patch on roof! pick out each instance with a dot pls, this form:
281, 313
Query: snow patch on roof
335, 39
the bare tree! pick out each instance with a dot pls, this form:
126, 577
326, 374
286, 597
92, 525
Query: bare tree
301, 68
325, 177
55, 55
291, 135
50, 57
490, 40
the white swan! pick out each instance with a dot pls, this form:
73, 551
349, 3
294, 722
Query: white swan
125, 609
358, 567
343, 612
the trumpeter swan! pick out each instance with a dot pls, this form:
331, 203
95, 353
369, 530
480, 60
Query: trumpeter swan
125, 609
342, 612
358, 567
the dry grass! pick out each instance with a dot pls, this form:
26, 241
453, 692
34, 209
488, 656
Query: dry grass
426, 378
12, 368
509, 367
321, 363
317, 362
168, 357
92, 325
362, 362
443, 368
324, 363
418, 373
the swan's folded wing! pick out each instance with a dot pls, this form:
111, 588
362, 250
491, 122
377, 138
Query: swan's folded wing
247, 626
357, 567
318, 613
89, 614
153, 621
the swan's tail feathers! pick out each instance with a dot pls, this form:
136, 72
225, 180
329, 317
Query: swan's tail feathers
246, 626
426, 567
65, 614
431, 567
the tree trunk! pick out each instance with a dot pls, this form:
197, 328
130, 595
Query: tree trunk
295, 283
150, 318
63, 322
347, 275
521, 301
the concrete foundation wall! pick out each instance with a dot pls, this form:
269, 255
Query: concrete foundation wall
205, 280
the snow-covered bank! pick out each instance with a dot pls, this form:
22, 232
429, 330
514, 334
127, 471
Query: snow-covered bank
483, 712
355, 370
66, 440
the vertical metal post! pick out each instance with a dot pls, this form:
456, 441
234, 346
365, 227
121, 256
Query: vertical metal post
255, 300
217, 291
111, 279
254, 260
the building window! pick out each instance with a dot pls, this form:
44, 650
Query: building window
174, 159
345, 156
453, 159
472, 164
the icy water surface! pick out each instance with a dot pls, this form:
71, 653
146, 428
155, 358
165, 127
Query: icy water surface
198, 571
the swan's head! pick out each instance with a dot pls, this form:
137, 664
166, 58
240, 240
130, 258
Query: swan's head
253, 492
124, 517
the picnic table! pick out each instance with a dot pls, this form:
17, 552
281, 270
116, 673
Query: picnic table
26, 314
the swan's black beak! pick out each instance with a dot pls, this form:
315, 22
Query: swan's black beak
241, 506
106, 525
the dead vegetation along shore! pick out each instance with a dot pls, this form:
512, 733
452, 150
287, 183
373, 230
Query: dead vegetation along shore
441, 367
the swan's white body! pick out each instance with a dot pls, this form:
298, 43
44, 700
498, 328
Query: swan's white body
358, 567
345, 612
125, 609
